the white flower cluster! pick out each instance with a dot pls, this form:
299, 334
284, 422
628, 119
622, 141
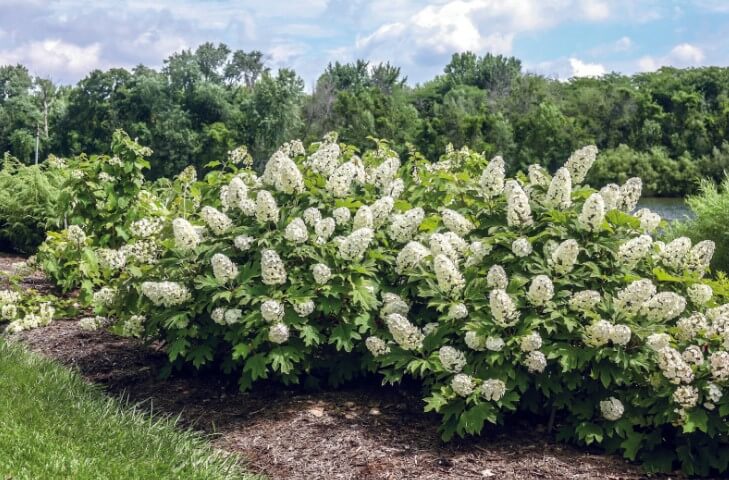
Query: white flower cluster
497, 278
474, 341
146, 227
453, 360
410, 256
273, 271
462, 384
531, 342
612, 409
340, 181
243, 242
699, 257
559, 193
90, 324
649, 221
564, 256
686, 396
674, 253
272, 311
133, 326
630, 194
541, 290
325, 160
76, 235
585, 300
658, 341
719, 365
104, 297
377, 346
324, 229
580, 163
166, 294
535, 361
663, 306
304, 309
282, 173
602, 332
457, 311
455, 222
699, 294
266, 207
447, 274
224, 269
384, 174
693, 355
218, 222
518, 211
634, 250
521, 247
342, 215
296, 231
592, 215
404, 226
492, 178
322, 273
111, 259
381, 209
495, 344
186, 236
405, 334
278, 333
503, 309
142, 251
477, 251
354, 245
493, 389
363, 218
674, 367
630, 299
610, 194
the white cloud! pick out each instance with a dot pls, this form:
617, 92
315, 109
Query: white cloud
682, 55
584, 69
54, 55
595, 10
623, 44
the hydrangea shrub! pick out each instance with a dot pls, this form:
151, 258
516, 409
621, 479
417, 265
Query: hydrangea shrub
533, 293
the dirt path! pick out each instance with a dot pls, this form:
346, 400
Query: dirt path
359, 432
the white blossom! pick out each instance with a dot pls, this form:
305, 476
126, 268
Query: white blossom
146, 227
218, 222
635, 250
324, 229
224, 269
592, 215
585, 300
675, 252
474, 341
610, 194
541, 290
272, 311
440, 244
612, 409
492, 178
649, 221
663, 306
518, 211
304, 309
449, 278
496, 277
530, 342
462, 384
410, 256
686, 396
111, 259
503, 309
673, 366
580, 163
693, 355
452, 360
405, 334
598, 334
521, 247
699, 294
559, 193
620, 335
342, 215
719, 365
564, 256
493, 389
266, 207
104, 297
381, 210
243, 242
377, 346
457, 311
630, 194
658, 341
630, 299
278, 333
296, 231
186, 237
363, 218
535, 361
455, 222
699, 257
538, 176
166, 294
688, 327
404, 226
325, 160
322, 273
477, 251
311, 216
354, 246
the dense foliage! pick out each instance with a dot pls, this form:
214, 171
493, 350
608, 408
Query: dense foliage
204, 102
532, 293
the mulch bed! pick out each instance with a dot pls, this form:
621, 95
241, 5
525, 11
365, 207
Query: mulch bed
362, 431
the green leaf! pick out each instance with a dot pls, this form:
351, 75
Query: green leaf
256, 366
696, 419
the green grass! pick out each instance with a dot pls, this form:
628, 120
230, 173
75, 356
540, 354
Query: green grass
53, 425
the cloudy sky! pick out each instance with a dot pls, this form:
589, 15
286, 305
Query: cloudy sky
65, 39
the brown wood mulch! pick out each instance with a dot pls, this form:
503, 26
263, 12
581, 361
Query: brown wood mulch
362, 431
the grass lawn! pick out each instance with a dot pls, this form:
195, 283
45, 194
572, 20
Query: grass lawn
53, 425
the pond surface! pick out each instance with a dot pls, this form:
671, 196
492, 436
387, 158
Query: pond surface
668, 208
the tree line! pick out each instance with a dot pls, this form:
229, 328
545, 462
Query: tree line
670, 126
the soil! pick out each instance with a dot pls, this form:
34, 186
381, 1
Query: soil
362, 431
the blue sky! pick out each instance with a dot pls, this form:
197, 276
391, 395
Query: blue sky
66, 39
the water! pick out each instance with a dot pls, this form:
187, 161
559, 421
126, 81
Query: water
668, 208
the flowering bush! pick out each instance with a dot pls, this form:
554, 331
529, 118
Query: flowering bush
532, 293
